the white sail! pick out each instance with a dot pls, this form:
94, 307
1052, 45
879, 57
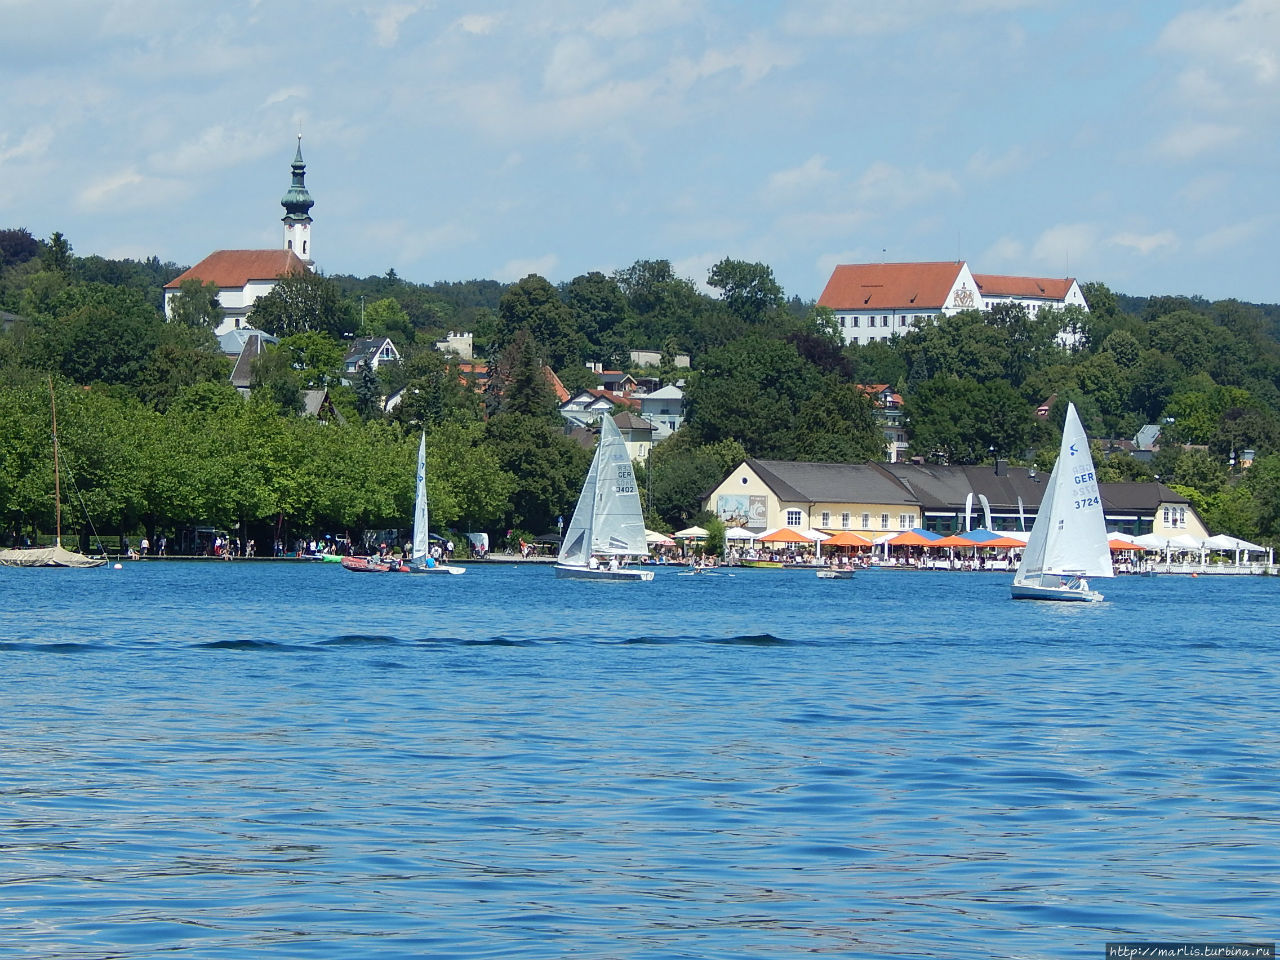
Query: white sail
608, 520
1069, 537
575, 548
421, 530
618, 527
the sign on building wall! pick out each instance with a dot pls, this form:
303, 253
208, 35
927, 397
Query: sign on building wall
741, 509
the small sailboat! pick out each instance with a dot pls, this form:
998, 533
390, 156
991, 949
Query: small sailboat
1068, 541
57, 555
421, 560
607, 524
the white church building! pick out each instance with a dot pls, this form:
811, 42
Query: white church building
875, 301
245, 276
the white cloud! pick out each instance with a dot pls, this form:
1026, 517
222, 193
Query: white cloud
641, 19
518, 269
813, 174
573, 67
118, 188
1238, 45
984, 166
1062, 248
1195, 139
284, 94
825, 18
1234, 235
891, 186
33, 145
695, 268
1146, 243
478, 24
388, 19
214, 148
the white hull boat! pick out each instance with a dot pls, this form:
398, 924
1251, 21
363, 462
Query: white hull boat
607, 524
1068, 541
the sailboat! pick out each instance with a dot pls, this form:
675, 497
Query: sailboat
607, 524
1068, 541
57, 555
421, 560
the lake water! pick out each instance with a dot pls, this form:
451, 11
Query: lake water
231, 760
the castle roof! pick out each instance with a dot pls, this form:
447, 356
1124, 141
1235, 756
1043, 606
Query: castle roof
1025, 288
890, 286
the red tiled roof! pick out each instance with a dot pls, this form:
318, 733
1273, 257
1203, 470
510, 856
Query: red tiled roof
556, 386
890, 286
876, 390
1040, 288
615, 398
235, 268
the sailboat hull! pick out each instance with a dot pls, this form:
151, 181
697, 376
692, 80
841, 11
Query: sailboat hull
1058, 591
569, 571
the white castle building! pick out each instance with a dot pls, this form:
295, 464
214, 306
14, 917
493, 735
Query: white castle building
875, 301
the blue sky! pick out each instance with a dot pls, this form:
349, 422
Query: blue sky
1134, 144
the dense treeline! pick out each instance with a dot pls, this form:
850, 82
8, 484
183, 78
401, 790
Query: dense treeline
159, 440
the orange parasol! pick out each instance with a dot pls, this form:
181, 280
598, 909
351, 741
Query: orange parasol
785, 535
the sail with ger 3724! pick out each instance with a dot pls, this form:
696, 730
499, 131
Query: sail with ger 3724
1068, 541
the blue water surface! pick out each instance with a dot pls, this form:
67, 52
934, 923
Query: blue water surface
229, 760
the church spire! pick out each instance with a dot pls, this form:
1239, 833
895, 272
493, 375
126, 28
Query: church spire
297, 205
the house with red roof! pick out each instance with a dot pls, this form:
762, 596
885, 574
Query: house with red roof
876, 301
888, 413
245, 276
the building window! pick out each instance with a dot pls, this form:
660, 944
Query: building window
826, 519
1166, 516
855, 321
844, 520
884, 321
884, 521
866, 521
904, 521
793, 518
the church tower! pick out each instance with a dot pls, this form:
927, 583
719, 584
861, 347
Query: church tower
297, 205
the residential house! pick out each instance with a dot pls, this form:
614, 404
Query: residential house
318, 404
637, 433
587, 406
252, 345
888, 413
372, 352
664, 408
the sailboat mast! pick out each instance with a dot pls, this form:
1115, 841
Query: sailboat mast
57, 488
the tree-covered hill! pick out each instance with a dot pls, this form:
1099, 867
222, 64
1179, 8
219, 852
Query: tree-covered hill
770, 376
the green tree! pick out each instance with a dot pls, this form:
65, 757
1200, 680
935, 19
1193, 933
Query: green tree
519, 382
273, 378
301, 302
534, 306
838, 425
749, 391
196, 304
749, 290
316, 356
549, 468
